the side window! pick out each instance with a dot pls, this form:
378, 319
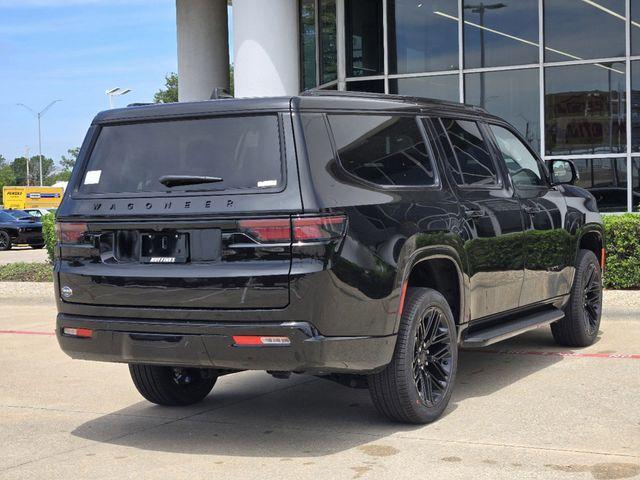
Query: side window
522, 165
470, 160
382, 149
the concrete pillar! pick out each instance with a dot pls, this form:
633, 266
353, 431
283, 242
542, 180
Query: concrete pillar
266, 45
203, 48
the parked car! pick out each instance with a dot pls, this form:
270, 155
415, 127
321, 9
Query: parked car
363, 238
39, 212
18, 227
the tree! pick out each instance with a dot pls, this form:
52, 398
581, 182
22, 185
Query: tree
19, 167
7, 177
170, 93
66, 165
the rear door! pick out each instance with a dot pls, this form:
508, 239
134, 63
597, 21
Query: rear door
492, 224
182, 213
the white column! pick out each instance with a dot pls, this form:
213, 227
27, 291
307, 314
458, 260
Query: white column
203, 48
266, 46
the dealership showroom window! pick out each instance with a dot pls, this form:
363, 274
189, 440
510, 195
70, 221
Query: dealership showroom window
561, 71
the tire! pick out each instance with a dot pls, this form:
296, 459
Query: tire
580, 325
396, 392
5, 241
171, 386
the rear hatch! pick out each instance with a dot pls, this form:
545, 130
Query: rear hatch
182, 213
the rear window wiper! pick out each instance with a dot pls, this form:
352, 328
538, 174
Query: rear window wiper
179, 180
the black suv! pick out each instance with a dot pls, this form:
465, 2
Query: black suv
364, 238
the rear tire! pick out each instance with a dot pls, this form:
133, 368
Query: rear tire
5, 241
416, 386
581, 323
171, 386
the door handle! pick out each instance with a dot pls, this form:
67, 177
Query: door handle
473, 212
531, 210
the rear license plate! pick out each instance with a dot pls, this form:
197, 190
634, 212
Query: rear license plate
164, 248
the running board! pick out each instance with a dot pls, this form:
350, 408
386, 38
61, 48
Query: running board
497, 333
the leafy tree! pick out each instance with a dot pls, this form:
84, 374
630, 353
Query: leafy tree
19, 167
7, 178
170, 93
66, 165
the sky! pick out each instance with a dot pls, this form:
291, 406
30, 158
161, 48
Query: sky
74, 50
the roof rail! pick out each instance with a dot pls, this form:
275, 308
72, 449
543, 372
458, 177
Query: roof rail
316, 92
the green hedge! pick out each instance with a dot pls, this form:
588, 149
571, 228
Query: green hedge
622, 233
49, 233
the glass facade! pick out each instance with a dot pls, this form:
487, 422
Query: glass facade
565, 73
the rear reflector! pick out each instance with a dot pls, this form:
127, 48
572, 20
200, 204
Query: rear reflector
70, 233
603, 259
77, 332
255, 340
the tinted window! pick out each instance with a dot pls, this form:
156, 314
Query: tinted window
606, 179
423, 36
243, 151
581, 29
382, 149
441, 87
5, 217
585, 108
375, 86
522, 165
364, 37
500, 33
635, 105
470, 160
513, 95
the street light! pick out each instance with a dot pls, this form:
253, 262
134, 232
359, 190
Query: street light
39, 116
116, 92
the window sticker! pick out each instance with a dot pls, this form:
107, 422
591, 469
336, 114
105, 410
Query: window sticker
92, 177
267, 183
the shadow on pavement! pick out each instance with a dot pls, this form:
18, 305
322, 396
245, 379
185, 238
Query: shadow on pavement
256, 416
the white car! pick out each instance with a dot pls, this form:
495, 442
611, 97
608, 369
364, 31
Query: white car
38, 212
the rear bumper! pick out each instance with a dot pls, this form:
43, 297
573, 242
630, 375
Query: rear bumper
210, 345
29, 238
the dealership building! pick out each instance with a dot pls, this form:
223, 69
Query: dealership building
566, 73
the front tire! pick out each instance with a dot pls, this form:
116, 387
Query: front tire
5, 241
172, 386
581, 323
416, 386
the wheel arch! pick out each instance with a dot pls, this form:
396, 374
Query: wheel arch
592, 238
439, 268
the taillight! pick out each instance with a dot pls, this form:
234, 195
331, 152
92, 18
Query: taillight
70, 233
268, 230
312, 229
299, 229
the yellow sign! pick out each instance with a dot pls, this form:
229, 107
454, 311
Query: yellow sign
19, 198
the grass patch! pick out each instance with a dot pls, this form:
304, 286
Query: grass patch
26, 272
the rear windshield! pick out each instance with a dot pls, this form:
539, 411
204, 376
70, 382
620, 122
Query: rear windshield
241, 153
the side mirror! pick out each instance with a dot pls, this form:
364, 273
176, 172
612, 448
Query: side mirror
563, 172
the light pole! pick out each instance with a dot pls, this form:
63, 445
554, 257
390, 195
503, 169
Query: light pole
116, 92
480, 9
39, 116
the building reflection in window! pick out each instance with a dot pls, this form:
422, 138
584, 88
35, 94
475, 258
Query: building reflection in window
585, 109
308, 43
606, 179
374, 86
421, 39
440, 87
584, 29
328, 41
512, 95
364, 34
500, 33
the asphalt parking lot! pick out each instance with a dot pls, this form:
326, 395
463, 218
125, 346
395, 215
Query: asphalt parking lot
23, 254
524, 409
